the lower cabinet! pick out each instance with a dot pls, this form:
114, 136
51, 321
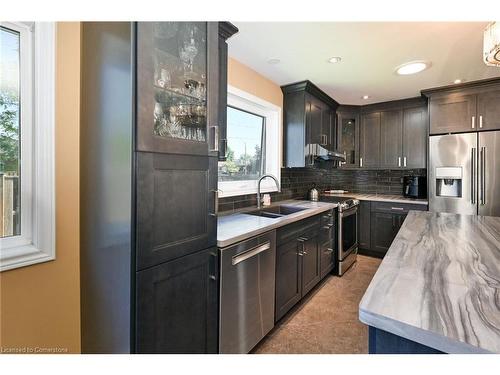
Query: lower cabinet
309, 252
176, 308
288, 277
298, 262
364, 212
384, 227
379, 223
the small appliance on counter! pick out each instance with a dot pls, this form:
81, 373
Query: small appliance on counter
313, 194
415, 187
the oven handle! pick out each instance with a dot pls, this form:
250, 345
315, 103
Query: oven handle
351, 211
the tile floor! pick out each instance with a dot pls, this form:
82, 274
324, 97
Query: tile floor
326, 321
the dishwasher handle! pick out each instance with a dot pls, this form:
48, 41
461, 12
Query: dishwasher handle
251, 253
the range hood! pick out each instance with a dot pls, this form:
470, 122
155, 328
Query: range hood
322, 154
332, 156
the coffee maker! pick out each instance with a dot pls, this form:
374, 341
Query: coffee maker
415, 187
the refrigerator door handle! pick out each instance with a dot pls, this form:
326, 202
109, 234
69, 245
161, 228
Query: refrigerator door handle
483, 175
473, 176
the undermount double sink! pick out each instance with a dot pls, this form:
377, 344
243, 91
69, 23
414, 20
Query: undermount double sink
275, 212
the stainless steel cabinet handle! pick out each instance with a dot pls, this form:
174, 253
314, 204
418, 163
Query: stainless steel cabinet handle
397, 208
250, 253
404, 161
329, 250
399, 161
473, 176
481, 121
216, 202
216, 138
483, 175
224, 149
473, 122
360, 162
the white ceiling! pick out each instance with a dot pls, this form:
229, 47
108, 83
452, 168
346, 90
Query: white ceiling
370, 53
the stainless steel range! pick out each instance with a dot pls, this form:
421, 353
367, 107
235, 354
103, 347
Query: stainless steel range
347, 231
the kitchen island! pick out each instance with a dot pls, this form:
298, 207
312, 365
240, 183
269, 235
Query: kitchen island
438, 287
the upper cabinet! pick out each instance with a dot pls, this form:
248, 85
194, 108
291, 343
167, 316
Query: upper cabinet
393, 135
309, 124
178, 87
369, 140
473, 106
348, 135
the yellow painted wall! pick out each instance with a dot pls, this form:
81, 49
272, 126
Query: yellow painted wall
40, 304
241, 76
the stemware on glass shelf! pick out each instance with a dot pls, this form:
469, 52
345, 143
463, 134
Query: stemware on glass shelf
179, 63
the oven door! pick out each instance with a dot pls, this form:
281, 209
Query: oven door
348, 232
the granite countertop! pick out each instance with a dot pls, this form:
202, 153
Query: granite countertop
378, 197
240, 226
439, 283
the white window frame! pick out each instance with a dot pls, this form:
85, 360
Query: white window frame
272, 113
36, 243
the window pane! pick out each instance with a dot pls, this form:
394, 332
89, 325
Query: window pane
10, 201
245, 137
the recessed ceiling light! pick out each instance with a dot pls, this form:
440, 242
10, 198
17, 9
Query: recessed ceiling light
335, 59
457, 81
412, 67
365, 97
273, 61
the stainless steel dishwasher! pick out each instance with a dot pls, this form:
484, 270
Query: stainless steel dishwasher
246, 293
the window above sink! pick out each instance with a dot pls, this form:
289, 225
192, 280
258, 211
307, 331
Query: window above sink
253, 144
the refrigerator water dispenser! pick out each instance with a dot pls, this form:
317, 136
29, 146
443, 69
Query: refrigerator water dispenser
449, 182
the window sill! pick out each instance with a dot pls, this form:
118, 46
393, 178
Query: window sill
21, 256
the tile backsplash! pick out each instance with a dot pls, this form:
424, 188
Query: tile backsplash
295, 183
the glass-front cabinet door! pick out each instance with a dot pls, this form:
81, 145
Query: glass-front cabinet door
348, 134
177, 87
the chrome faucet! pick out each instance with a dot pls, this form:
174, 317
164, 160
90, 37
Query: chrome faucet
259, 202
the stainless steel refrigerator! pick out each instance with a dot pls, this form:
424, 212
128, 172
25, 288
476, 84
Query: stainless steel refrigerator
464, 173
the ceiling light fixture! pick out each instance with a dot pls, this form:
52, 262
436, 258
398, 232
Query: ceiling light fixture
335, 59
365, 97
273, 61
491, 44
412, 67
457, 81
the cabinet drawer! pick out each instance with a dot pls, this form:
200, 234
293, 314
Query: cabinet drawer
294, 230
401, 208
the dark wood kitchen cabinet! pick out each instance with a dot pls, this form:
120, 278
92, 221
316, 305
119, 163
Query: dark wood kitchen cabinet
177, 305
177, 87
364, 223
385, 221
309, 244
150, 123
369, 140
468, 107
175, 206
452, 113
297, 262
309, 124
348, 135
414, 150
384, 227
288, 277
488, 109
391, 133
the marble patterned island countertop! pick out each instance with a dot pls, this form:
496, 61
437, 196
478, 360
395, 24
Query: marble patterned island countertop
439, 283
239, 226
378, 197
